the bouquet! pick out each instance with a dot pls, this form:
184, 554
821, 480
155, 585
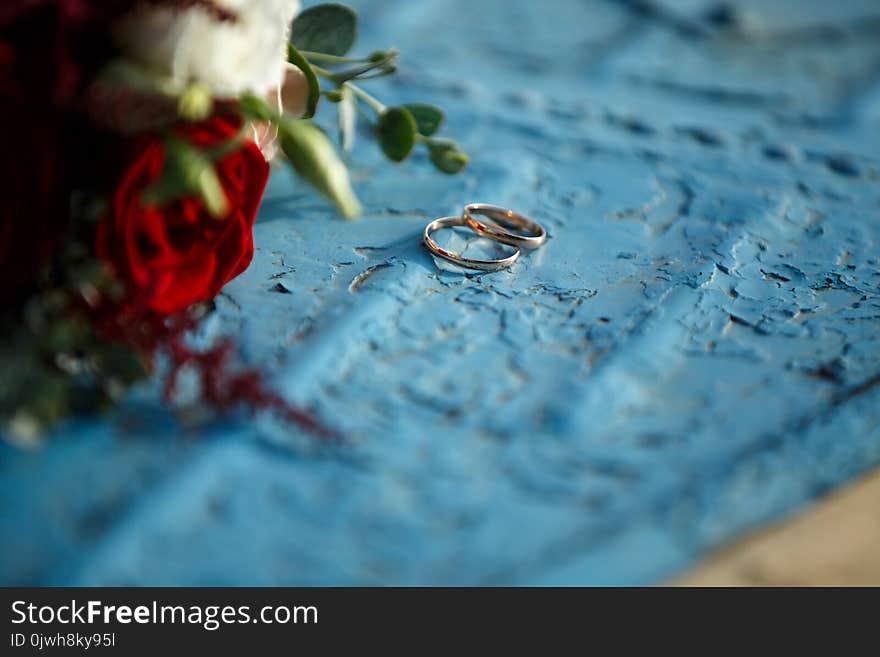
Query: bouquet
139, 140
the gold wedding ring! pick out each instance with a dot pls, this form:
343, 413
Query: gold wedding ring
503, 217
457, 258
494, 228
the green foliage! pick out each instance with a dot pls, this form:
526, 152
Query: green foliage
55, 363
323, 35
296, 58
446, 156
312, 156
188, 170
397, 132
428, 118
329, 28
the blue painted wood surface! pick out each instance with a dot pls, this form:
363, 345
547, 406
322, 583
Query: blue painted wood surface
693, 353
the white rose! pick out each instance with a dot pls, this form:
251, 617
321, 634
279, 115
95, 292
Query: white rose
228, 56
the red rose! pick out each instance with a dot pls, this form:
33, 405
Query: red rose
173, 256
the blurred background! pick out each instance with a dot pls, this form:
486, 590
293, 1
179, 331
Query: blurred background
692, 358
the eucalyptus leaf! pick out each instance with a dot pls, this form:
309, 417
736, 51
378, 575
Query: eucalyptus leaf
428, 118
397, 132
446, 156
313, 158
296, 58
329, 28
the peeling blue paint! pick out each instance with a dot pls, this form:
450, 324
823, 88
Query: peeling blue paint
693, 353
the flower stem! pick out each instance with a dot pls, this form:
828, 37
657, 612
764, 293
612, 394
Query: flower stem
330, 59
323, 72
373, 102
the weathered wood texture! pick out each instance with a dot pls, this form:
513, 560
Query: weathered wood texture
693, 354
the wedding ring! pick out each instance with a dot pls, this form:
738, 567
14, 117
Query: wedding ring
499, 215
458, 259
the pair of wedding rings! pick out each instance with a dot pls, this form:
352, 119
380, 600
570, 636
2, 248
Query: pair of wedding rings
493, 229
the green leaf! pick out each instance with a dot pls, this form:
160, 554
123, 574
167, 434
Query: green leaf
428, 118
446, 156
258, 109
397, 131
211, 190
313, 158
330, 29
295, 58
188, 171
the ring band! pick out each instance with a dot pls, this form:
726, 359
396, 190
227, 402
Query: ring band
507, 217
458, 259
